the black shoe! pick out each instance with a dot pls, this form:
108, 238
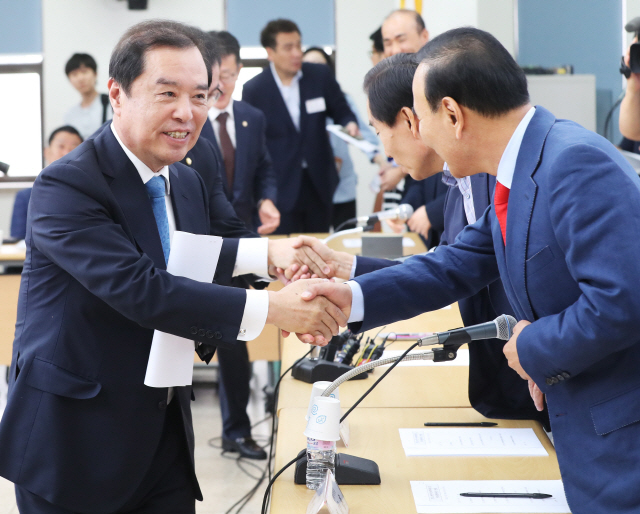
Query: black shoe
246, 446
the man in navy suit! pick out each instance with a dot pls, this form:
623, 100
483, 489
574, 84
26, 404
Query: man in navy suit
560, 190
296, 99
81, 432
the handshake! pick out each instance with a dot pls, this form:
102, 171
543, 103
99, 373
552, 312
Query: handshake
311, 305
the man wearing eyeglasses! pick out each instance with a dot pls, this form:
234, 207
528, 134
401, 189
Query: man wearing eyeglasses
238, 130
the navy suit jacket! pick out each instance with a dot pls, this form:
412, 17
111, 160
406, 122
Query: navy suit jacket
80, 427
19, 214
287, 146
571, 268
254, 178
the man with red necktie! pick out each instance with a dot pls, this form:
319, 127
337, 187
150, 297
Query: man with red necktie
561, 190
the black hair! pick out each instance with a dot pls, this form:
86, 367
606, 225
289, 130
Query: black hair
326, 56
416, 16
472, 67
128, 57
376, 37
65, 128
388, 87
227, 44
78, 60
275, 27
211, 45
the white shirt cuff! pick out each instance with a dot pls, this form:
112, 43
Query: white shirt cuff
357, 302
253, 254
255, 314
353, 268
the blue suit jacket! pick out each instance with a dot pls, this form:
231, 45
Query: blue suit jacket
254, 177
429, 193
80, 427
288, 147
19, 214
572, 269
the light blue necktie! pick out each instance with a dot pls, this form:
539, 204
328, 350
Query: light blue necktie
156, 191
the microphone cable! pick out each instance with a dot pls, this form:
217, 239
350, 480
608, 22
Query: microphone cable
265, 499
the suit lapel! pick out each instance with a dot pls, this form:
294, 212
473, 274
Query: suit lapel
305, 94
522, 198
131, 195
243, 128
270, 83
182, 207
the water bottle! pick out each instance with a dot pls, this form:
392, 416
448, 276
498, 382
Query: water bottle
321, 456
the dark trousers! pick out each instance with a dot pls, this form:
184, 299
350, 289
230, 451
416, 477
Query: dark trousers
168, 487
343, 212
235, 373
310, 213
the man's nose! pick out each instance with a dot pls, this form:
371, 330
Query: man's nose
183, 110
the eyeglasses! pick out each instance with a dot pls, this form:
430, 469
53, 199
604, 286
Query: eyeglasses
227, 78
217, 93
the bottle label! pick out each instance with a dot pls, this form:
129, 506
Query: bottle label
322, 446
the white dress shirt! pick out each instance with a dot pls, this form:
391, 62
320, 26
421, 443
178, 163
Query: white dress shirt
251, 258
290, 94
464, 186
214, 112
506, 169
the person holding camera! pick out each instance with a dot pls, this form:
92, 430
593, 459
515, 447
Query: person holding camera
630, 107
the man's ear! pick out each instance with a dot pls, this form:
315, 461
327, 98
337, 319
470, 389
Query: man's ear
270, 52
115, 96
411, 119
453, 114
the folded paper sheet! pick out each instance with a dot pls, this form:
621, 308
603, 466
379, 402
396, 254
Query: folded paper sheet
171, 357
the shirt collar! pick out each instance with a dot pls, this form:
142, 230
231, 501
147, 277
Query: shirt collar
145, 172
276, 77
214, 112
507, 165
447, 177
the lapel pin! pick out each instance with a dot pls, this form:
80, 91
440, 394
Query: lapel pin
189, 161
244, 124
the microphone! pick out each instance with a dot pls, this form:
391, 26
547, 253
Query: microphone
402, 213
499, 328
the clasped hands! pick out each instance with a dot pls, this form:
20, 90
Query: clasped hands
314, 308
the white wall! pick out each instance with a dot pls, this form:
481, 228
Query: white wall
357, 19
94, 27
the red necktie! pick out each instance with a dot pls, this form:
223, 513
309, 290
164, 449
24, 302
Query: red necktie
500, 200
228, 151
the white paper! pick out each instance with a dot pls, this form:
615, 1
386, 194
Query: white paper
315, 105
443, 497
361, 144
171, 358
462, 359
356, 242
328, 498
471, 442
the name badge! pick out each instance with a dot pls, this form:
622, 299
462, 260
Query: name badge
315, 105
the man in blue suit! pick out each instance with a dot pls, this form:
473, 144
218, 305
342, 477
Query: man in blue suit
81, 432
296, 98
560, 190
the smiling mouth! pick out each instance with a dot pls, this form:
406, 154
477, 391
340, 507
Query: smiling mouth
177, 135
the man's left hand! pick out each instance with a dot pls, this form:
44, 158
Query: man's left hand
283, 253
419, 222
511, 351
352, 129
269, 217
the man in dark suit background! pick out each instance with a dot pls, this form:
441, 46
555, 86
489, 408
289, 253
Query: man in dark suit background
81, 432
296, 99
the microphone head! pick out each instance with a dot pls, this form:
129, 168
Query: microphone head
505, 324
405, 211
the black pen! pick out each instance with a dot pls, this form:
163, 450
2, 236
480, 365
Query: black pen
535, 496
480, 424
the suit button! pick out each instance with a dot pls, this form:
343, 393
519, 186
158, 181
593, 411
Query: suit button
560, 377
162, 405
566, 375
555, 380
201, 332
209, 334
549, 381
218, 335
194, 330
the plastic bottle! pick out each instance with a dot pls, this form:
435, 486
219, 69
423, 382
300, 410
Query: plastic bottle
321, 455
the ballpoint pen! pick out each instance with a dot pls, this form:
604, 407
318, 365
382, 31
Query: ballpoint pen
535, 496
